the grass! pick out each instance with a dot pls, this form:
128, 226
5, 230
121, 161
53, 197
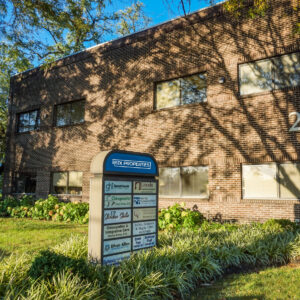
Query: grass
272, 283
173, 270
25, 235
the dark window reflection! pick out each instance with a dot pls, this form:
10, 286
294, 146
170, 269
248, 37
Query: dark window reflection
28, 121
70, 113
25, 183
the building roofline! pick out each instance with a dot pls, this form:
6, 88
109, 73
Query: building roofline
132, 37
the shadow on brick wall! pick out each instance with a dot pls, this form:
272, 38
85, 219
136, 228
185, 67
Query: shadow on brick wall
118, 81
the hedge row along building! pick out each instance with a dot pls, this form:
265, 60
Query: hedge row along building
216, 100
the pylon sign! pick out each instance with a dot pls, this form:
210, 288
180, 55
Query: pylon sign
123, 205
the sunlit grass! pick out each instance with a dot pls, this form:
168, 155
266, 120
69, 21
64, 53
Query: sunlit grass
39, 269
271, 283
24, 235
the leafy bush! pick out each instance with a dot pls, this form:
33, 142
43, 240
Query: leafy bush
49, 263
280, 224
6, 204
45, 209
177, 217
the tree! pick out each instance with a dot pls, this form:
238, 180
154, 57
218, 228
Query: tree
11, 61
132, 19
36, 32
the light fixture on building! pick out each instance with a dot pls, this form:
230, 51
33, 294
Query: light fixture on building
221, 80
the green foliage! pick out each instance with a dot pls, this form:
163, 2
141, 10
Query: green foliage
177, 217
237, 7
6, 205
172, 270
11, 61
43, 31
132, 19
279, 225
49, 263
45, 209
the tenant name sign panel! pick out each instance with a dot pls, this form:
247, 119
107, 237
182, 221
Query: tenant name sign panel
129, 217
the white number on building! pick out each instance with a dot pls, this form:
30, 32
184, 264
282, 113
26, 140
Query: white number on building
295, 126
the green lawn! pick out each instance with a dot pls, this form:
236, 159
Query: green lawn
271, 283
26, 235
23, 235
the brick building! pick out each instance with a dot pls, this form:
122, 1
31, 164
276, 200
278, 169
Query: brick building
215, 99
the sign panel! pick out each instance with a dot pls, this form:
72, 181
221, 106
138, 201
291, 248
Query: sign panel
112, 216
117, 187
144, 200
143, 214
130, 163
144, 227
115, 259
116, 246
117, 231
123, 205
144, 241
117, 201
147, 187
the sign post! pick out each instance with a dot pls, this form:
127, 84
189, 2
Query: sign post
123, 205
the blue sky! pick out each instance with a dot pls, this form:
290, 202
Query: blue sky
163, 10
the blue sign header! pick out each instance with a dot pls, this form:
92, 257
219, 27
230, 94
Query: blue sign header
130, 163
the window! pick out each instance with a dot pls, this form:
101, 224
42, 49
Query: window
69, 113
274, 181
67, 183
183, 182
28, 121
268, 74
24, 183
185, 90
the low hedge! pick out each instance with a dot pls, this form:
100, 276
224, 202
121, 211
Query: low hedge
172, 270
44, 209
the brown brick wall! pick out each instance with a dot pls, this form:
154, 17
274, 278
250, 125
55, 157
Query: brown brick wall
117, 79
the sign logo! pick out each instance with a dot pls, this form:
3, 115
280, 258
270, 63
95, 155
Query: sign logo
133, 164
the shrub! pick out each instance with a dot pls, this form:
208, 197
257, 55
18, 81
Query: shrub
6, 205
172, 270
45, 209
177, 217
279, 225
49, 263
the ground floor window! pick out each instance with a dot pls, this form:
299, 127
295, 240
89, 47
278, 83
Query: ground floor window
279, 181
67, 183
24, 183
183, 182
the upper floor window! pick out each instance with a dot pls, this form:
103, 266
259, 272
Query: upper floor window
24, 183
28, 121
70, 113
273, 181
180, 91
67, 183
269, 74
183, 182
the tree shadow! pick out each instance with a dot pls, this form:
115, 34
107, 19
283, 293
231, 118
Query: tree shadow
118, 80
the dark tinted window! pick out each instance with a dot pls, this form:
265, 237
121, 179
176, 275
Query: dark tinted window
69, 113
25, 183
28, 121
